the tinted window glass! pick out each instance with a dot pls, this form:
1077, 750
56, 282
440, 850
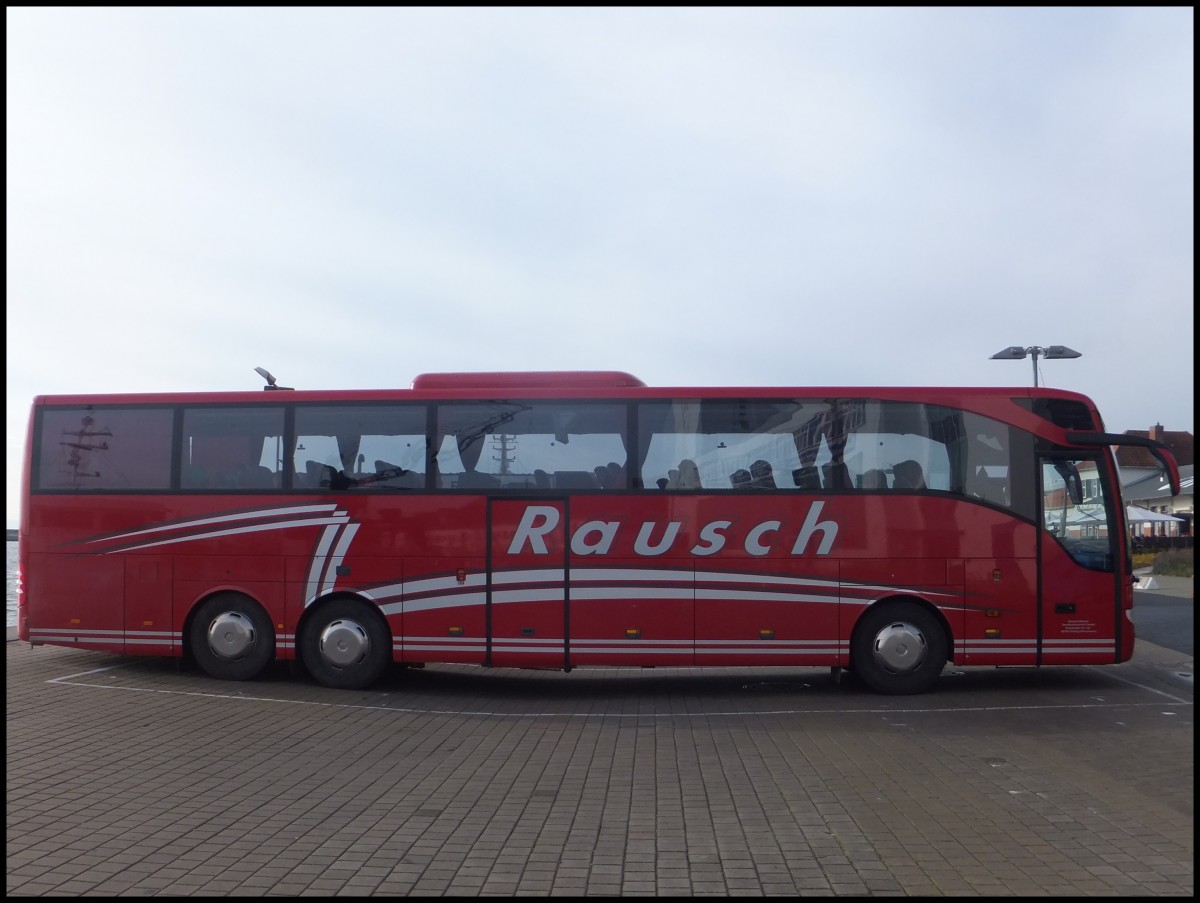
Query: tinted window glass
232, 448
360, 447
1070, 415
531, 445
719, 444
104, 448
1080, 525
825, 444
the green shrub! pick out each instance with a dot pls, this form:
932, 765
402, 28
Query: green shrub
1143, 559
1174, 563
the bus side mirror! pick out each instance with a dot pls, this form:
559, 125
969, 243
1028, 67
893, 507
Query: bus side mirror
1071, 479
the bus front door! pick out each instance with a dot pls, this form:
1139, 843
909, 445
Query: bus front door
527, 583
1083, 595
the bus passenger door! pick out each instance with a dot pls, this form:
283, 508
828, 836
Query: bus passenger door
632, 583
526, 583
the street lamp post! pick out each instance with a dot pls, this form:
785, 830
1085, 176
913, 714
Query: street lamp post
1050, 353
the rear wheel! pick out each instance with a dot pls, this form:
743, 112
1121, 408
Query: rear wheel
346, 644
899, 648
231, 637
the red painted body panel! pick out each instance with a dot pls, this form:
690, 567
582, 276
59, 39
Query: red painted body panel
1080, 614
622, 579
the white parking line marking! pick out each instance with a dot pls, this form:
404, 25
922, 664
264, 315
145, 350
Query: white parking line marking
69, 681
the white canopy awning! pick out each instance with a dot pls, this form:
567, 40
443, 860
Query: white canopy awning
1094, 514
1138, 515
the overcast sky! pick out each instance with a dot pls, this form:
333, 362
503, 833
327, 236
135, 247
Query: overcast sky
705, 196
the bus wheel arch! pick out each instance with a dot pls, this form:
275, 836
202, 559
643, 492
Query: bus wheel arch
344, 642
900, 646
230, 636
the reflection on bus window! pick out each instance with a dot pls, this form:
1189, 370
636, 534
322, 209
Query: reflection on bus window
90, 449
822, 445
359, 447
232, 448
506, 446
1080, 527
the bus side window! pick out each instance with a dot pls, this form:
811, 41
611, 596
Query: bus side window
255, 476
837, 476
908, 475
574, 479
994, 489
762, 476
689, 475
806, 477
874, 479
223, 479
194, 477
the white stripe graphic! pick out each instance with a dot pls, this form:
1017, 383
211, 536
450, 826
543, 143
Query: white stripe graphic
830, 649
757, 643
586, 584
647, 574
632, 644
318, 559
432, 603
434, 647
338, 555
435, 584
97, 634
322, 569
615, 575
764, 596
501, 597
383, 592
69, 637
543, 575
632, 592
225, 518
463, 640
579, 648
726, 576
548, 650
1068, 650
254, 528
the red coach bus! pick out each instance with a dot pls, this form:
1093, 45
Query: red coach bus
567, 519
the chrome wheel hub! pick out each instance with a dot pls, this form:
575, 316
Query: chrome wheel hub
344, 642
900, 648
230, 635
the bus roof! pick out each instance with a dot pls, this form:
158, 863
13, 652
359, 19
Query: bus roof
550, 384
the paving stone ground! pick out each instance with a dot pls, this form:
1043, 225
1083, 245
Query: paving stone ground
130, 777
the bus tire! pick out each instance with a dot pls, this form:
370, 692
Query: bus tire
346, 644
898, 648
231, 637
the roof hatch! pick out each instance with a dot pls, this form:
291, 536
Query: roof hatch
535, 379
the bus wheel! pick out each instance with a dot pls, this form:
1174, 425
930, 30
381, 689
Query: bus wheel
231, 637
346, 644
898, 648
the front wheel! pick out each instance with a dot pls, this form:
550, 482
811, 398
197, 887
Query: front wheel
231, 637
346, 644
899, 648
